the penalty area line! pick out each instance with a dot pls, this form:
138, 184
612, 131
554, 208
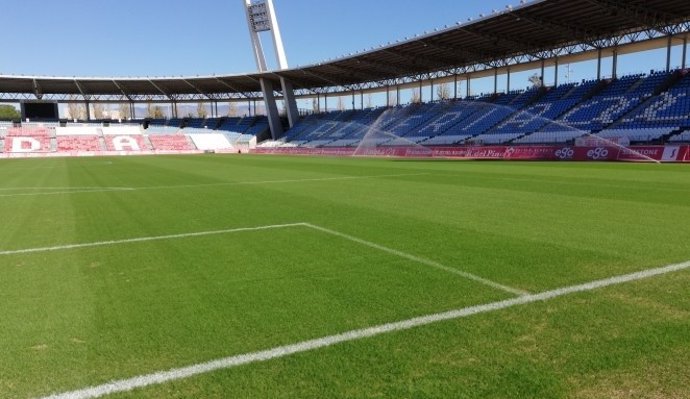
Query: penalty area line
143, 381
147, 239
424, 261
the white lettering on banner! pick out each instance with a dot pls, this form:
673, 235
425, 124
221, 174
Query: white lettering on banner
565, 153
598, 154
25, 144
124, 143
670, 153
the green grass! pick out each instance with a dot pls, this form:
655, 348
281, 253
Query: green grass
74, 318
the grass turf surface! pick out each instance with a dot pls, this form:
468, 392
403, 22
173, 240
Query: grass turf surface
75, 318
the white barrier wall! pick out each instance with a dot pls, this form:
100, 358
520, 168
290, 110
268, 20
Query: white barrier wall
211, 141
121, 130
77, 131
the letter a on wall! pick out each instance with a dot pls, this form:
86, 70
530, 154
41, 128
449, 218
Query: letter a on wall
125, 143
25, 144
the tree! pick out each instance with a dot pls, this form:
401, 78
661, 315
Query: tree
416, 96
9, 113
201, 110
232, 109
155, 111
99, 111
76, 111
443, 92
124, 111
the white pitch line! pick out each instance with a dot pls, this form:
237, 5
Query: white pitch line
146, 239
142, 381
424, 261
369, 244
63, 188
235, 183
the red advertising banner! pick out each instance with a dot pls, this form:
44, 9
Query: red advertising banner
669, 153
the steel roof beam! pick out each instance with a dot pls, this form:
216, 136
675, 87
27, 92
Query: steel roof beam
231, 87
355, 72
198, 90
81, 90
517, 45
124, 93
38, 92
381, 66
161, 90
418, 60
642, 15
324, 79
455, 50
560, 27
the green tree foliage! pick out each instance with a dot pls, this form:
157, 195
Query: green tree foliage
9, 113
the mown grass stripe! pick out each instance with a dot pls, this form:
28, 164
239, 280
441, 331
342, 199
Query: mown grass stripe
162, 377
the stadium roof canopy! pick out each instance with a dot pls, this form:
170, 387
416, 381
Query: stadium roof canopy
540, 29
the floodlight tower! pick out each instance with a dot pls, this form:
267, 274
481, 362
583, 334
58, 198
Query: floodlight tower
261, 17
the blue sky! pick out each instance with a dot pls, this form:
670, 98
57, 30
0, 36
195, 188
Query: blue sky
190, 37
202, 37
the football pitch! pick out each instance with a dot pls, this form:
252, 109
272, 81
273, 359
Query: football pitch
276, 277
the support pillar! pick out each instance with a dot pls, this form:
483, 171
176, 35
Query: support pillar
555, 79
290, 102
431, 82
271, 109
495, 81
469, 80
88, 110
543, 73
599, 64
388, 96
421, 91
397, 95
668, 53
508, 81
455, 87
132, 111
353, 100
614, 66
361, 99
685, 52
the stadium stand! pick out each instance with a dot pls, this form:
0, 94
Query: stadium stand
123, 142
640, 108
171, 142
79, 143
31, 138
